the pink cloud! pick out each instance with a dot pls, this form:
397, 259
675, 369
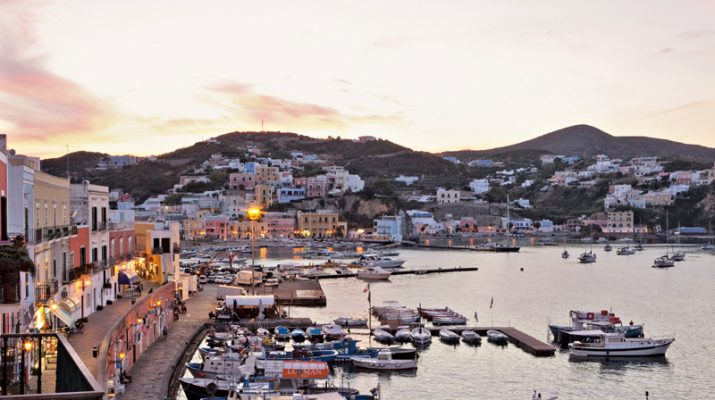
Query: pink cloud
34, 101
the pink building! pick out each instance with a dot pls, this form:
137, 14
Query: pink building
317, 186
241, 181
121, 244
279, 225
216, 227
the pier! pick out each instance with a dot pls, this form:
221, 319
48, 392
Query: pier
300, 292
404, 272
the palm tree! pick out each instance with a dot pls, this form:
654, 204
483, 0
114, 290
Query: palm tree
14, 259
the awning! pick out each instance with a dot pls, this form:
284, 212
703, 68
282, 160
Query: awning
127, 277
249, 301
65, 310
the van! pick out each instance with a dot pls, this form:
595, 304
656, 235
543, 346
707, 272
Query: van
203, 279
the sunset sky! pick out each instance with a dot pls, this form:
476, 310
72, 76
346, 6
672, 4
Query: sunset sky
146, 77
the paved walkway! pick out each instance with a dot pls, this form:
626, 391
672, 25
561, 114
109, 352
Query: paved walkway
98, 326
152, 373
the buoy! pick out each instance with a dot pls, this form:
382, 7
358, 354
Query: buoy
522, 269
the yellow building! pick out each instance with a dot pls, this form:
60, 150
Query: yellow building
263, 195
321, 223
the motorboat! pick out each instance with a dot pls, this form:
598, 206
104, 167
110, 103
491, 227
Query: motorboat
421, 336
384, 361
497, 337
230, 364
663, 262
348, 321
332, 331
678, 256
471, 337
402, 335
617, 345
603, 321
314, 334
382, 262
587, 257
199, 388
383, 336
564, 254
607, 247
297, 335
373, 274
281, 333
447, 336
398, 353
625, 251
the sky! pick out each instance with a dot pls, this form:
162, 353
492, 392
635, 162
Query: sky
147, 77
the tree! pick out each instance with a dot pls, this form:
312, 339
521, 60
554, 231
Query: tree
14, 258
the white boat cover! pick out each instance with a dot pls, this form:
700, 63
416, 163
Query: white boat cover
250, 301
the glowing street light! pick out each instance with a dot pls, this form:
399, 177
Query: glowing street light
254, 214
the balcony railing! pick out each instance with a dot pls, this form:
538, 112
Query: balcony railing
45, 290
77, 272
54, 232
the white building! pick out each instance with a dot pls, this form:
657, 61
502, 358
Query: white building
424, 222
389, 226
546, 226
407, 180
289, 194
447, 196
479, 186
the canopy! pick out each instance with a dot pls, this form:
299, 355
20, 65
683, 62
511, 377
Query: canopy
65, 310
127, 277
249, 301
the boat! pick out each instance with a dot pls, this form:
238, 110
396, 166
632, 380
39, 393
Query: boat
382, 262
678, 256
447, 336
471, 337
398, 353
421, 336
198, 388
383, 336
442, 316
663, 262
497, 337
298, 354
603, 321
314, 334
625, 251
710, 246
402, 335
297, 335
349, 321
332, 331
564, 254
384, 362
281, 333
617, 345
373, 274
587, 257
607, 247
230, 364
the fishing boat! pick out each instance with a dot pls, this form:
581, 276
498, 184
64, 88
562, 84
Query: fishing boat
350, 321
297, 335
421, 336
625, 251
663, 262
447, 336
298, 354
373, 274
402, 335
603, 321
223, 366
314, 334
607, 247
198, 388
384, 362
281, 333
497, 337
587, 257
333, 332
383, 336
617, 345
471, 337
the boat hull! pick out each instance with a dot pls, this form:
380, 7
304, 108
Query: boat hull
656, 349
391, 365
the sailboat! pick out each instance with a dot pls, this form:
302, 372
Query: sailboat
710, 246
505, 246
678, 255
665, 261
587, 257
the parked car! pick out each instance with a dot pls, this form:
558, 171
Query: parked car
203, 279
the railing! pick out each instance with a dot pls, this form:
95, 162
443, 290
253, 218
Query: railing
77, 272
157, 250
53, 232
102, 226
44, 366
45, 290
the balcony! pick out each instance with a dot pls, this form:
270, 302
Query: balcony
53, 232
9, 287
102, 226
77, 272
45, 290
62, 374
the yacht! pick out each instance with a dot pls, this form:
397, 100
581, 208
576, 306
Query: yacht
617, 345
663, 262
374, 274
587, 257
384, 362
625, 251
382, 262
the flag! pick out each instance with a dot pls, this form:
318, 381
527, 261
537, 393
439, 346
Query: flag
492, 303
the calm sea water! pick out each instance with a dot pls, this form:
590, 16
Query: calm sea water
679, 301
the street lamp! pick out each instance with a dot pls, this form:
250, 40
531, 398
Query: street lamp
26, 348
254, 214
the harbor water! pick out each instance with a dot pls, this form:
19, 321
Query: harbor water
677, 302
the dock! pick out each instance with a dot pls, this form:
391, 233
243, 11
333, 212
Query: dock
270, 324
300, 292
404, 272
522, 340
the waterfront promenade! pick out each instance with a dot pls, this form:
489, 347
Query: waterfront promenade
152, 373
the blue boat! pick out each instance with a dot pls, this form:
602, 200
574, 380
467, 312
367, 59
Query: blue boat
314, 334
282, 333
297, 335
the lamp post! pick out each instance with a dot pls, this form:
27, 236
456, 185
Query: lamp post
84, 282
254, 214
26, 348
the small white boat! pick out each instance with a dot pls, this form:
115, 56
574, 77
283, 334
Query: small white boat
447, 336
587, 257
349, 321
373, 274
471, 337
617, 345
625, 251
564, 254
333, 331
382, 262
678, 256
421, 336
383, 336
663, 262
497, 337
384, 362
403, 335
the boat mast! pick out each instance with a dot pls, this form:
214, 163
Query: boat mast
369, 314
508, 219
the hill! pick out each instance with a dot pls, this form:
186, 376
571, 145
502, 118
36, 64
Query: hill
586, 141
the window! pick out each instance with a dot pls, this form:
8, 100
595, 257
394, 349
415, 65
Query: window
94, 254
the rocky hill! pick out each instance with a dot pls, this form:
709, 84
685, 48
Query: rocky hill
586, 141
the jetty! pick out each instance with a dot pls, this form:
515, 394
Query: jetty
417, 271
300, 292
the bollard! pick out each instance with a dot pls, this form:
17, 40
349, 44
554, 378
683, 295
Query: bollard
95, 351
